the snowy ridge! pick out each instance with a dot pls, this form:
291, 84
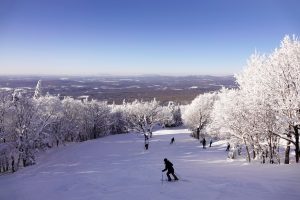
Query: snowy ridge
117, 167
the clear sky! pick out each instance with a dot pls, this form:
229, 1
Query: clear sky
177, 37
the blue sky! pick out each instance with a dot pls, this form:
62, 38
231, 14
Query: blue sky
176, 37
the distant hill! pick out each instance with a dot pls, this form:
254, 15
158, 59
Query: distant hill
181, 89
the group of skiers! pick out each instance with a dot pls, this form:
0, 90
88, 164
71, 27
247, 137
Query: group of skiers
168, 165
203, 141
147, 141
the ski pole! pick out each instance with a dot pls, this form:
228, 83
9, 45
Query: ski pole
162, 178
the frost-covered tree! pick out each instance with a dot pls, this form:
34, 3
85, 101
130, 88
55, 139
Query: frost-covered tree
96, 117
25, 121
5, 109
142, 116
230, 118
7, 146
71, 121
38, 90
174, 119
49, 110
273, 83
28, 125
167, 120
118, 123
266, 106
197, 115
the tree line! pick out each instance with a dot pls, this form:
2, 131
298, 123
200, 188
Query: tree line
263, 113
31, 124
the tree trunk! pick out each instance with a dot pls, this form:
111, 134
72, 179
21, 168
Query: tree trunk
271, 150
198, 133
278, 150
296, 143
247, 150
94, 132
287, 153
253, 152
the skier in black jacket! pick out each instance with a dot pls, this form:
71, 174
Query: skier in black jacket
172, 140
169, 167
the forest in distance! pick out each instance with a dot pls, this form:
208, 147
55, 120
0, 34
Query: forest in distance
180, 89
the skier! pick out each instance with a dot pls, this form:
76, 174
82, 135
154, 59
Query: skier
169, 167
146, 144
210, 142
172, 140
228, 146
204, 143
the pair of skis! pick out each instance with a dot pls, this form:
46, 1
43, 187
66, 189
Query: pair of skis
166, 180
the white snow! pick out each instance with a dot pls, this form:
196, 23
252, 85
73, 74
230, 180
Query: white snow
117, 167
109, 81
133, 86
6, 88
110, 88
83, 97
28, 88
126, 79
78, 86
164, 88
193, 87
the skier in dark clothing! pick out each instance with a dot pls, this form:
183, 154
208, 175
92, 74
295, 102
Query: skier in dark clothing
169, 167
210, 142
146, 144
204, 143
172, 140
228, 146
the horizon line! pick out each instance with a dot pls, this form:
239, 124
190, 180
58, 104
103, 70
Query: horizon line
115, 75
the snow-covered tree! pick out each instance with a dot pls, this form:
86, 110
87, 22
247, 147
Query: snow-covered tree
197, 115
38, 90
142, 116
7, 146
49, 111
71, 121
25, 121
97, 118
273, 84
174, 119
266, 106
118, 123
230, 119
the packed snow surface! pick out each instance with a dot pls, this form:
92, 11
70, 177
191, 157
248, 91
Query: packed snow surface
117, 167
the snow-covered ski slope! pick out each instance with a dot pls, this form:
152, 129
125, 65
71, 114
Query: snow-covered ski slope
118, 168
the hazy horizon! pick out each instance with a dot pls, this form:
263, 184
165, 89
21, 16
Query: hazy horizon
117, 75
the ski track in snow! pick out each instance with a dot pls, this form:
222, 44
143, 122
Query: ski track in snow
117, 167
